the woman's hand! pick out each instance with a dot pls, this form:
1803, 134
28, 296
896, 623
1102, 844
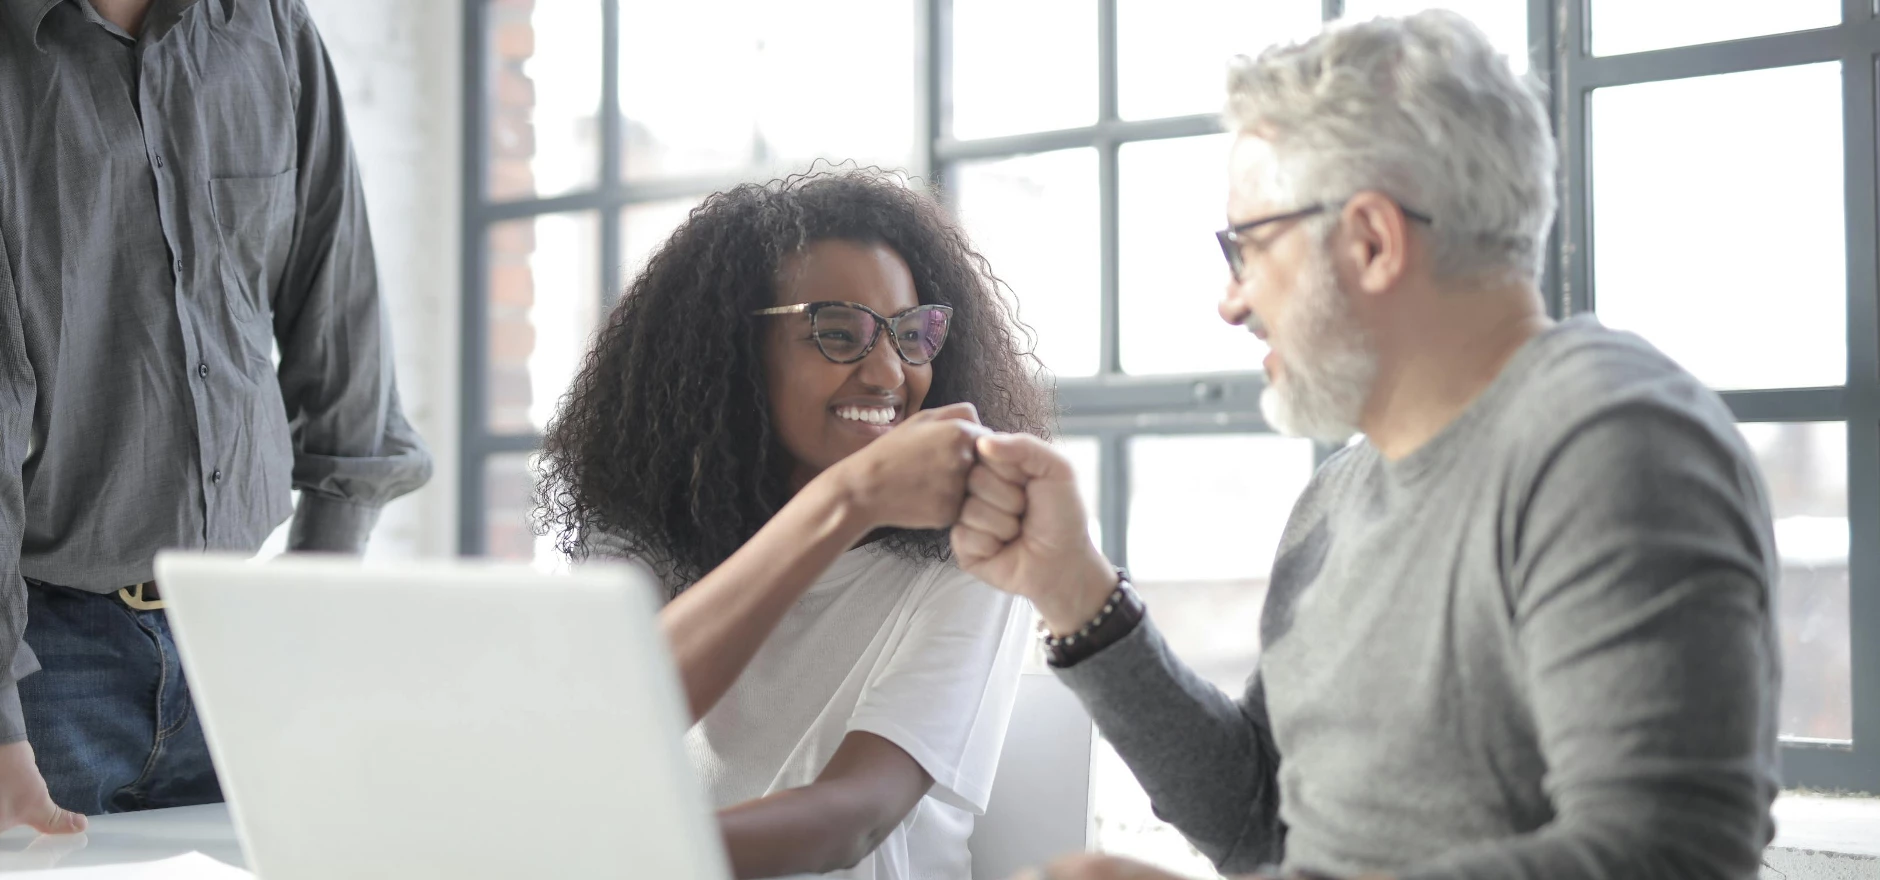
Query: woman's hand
913, 477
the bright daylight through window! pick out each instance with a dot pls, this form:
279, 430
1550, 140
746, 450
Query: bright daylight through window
1079, 143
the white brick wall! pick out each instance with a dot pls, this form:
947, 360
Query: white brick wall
398, 65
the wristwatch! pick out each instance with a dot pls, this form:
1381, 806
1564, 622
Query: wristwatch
1121, 613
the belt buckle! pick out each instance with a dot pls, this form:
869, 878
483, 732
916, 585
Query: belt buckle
136, 599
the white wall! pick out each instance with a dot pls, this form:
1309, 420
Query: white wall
398, 65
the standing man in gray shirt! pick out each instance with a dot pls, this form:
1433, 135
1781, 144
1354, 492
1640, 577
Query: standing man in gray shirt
1522, 631
177, 198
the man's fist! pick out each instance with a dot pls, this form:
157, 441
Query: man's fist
1022, 529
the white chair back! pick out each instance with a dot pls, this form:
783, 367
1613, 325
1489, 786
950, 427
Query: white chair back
1040, 806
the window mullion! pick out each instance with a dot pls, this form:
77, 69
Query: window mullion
1861, 155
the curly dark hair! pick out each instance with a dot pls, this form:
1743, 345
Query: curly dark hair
664, 439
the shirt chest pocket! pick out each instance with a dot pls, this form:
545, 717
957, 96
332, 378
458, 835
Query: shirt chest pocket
255, 220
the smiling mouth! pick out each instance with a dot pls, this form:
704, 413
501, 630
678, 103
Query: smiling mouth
880, 416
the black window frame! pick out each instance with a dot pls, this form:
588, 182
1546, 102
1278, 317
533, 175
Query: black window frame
611, 194
1113, 407
1855, 43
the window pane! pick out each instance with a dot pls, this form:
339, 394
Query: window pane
1126, 824
1621, 26
1035, 219
716, 88
544, 297
1172, 58
1702, 222
544, 106
1020, 67
645, 227
1805, 465
1171, 276
1085, 453
508, 510
1205, 516
1505, 21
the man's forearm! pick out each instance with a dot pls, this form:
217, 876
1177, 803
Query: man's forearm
324, 524
1207, 762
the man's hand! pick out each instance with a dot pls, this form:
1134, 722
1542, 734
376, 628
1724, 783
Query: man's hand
1022, 530
23, 796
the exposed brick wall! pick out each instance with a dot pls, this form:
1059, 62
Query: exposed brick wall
511, 336
508, 486
512, 130
507, 532
399, 69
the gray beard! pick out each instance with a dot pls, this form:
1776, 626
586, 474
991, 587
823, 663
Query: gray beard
1329, 365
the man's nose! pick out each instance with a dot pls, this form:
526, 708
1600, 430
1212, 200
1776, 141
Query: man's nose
1233, 306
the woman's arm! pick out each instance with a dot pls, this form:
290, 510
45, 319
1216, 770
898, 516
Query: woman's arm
716, 626
913, 477
868, 787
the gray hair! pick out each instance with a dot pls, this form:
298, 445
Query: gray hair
1423, 109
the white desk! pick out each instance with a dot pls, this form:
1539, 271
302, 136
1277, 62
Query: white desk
135, 837
127, 837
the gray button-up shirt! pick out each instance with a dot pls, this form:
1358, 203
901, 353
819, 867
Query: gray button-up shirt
173, 208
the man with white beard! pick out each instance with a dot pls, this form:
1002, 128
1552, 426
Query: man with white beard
1522, 629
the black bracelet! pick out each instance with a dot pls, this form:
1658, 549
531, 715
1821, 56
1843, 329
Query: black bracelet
1118, 617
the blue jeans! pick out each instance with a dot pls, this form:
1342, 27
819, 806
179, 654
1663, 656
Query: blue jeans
108, 713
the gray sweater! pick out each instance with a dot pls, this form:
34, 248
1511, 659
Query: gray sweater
1541, 646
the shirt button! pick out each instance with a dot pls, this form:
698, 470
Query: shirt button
216, 477
179, 267
202, 370
159, 161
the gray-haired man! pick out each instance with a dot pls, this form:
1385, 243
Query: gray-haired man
1524, 629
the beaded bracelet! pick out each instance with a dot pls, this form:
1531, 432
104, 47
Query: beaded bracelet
1117, 618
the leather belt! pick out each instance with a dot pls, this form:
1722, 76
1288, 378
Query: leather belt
143, 597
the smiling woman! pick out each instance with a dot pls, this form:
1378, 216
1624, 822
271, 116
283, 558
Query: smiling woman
822, 414
778, 419
676, 434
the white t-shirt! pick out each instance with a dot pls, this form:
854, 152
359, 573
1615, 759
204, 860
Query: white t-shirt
917, 653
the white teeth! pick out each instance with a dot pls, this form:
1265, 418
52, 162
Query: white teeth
866, 414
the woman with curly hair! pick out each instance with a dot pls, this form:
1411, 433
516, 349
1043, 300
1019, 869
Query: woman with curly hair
778, 418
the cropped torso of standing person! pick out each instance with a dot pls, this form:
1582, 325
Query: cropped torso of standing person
190, 328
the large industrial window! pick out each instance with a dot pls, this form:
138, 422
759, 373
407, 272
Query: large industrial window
1718, 197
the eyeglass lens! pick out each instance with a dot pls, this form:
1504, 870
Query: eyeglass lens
844, 333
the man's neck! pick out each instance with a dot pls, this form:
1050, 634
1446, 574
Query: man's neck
126, 14
1445, 360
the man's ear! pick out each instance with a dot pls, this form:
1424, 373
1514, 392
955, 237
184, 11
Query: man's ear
1376, 241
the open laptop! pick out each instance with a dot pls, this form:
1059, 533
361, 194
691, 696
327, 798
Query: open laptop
450, 720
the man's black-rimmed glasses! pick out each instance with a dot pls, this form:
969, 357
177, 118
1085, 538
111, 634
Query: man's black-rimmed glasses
1231, 237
